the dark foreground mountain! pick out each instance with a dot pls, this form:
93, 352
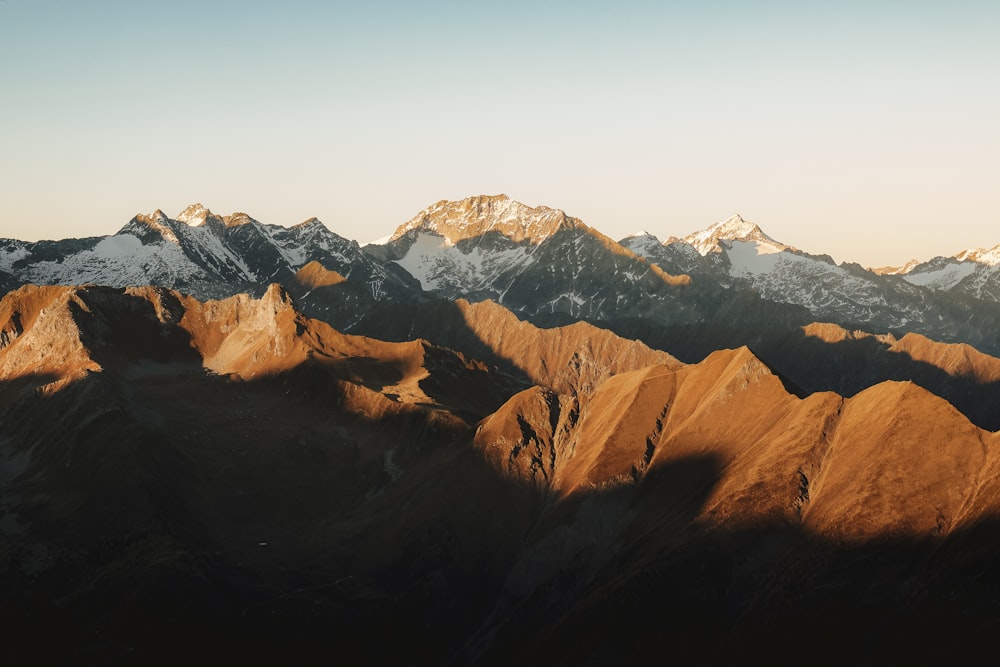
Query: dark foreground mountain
232, 479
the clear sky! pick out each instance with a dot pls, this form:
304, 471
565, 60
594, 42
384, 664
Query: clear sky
868, 130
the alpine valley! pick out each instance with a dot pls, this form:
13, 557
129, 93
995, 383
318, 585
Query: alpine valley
497, 437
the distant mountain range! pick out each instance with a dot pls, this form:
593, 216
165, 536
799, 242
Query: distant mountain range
726, 285
200, 253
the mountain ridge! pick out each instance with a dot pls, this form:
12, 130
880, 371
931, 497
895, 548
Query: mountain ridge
475, 216
537, 261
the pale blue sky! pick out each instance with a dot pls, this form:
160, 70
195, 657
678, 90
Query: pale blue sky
869, 133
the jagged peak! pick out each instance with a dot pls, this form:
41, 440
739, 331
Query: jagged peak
237, 219
733, 228
896, 270
194, 215
156, 221
475, 216
987, 256
312, 223
157, 216
915, 270
279, 297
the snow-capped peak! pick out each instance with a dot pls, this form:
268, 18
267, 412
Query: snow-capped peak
734, 228
987, 256
194, 215
156, 222
475, 216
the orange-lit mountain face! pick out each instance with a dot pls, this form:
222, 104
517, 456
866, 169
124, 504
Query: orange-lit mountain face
235, 478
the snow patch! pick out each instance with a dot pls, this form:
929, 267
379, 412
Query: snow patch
119, 261
10, 255
734, 228
211, 249
990, 257
436, 262
122, 245
944, 278
753, 257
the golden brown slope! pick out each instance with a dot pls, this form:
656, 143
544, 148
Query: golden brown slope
827, 357
893, 460
64, 332
521, 439
732, 408
314, 275
901, 461
39, 338
571, 359
956, 359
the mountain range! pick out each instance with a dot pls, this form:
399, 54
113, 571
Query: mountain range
726, 282
498, 437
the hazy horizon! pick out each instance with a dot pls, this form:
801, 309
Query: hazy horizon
865, 132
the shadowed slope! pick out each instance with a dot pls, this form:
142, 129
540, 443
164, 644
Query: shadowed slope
827, 357
68, 331
574, 358
571, 359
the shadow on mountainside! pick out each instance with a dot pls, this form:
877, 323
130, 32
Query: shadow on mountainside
284, 514
805, 364
299, 516
439, 321
732, 318
24, 386
848, 367
120, 328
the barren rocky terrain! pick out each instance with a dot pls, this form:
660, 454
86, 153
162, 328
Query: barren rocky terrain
235, 476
